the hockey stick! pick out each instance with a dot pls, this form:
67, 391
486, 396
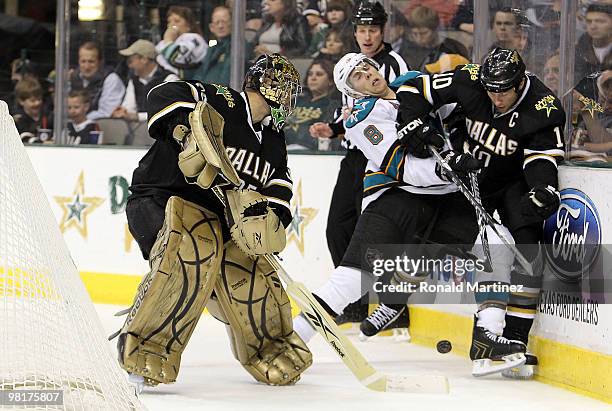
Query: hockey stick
480, 209
482, 227
320, 320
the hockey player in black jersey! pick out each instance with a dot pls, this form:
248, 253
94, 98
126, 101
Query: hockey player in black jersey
515, 125
407, 200
369, 19
202, 254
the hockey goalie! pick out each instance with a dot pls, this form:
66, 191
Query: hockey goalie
202, 254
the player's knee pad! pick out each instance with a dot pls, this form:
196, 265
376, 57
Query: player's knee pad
251, 300
185, 262
502, 259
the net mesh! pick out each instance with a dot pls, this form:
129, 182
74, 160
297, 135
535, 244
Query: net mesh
50, 334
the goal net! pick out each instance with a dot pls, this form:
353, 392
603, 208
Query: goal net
50, 334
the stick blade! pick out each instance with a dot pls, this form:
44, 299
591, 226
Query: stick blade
418, 384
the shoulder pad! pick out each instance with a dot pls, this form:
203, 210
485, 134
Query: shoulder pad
360, 111
400, 80
472, 71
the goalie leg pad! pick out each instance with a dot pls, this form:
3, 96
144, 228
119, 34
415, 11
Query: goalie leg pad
252, 301
185, 262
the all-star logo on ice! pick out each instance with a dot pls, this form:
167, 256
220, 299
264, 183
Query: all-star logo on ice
572, 236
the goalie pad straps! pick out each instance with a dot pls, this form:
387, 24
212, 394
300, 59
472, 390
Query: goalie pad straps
185, 262
204, 157
254, 227
250, 299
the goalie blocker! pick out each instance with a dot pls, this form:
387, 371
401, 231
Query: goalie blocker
194, 261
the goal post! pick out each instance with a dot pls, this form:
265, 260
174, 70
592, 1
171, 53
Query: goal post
50, 333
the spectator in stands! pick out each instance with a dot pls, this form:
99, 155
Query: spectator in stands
594, 47
504, 25
335, 46
318, 28
427, 47
316, 103
104, 86
284, 30
182, 45
398, 33
80, 129
33, 124
464, 18
145, 74
445, 9
337, 14
216, 65
592, 116
550, 73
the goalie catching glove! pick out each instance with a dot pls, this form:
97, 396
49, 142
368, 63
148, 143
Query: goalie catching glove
254, 226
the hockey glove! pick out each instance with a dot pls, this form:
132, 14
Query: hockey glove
255, 227
540, 203
416, 136
460, 163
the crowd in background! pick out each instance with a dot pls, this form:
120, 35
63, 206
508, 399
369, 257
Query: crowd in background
430, 35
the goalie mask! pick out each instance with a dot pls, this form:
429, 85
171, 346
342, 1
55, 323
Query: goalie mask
277, 80
347, 65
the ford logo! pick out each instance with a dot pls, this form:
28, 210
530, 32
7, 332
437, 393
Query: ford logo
572, 236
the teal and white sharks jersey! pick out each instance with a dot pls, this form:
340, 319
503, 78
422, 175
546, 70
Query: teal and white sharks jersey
372, 128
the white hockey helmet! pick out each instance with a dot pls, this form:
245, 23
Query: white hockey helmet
343, 69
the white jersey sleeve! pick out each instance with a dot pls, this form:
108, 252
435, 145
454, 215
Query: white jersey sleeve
371, 127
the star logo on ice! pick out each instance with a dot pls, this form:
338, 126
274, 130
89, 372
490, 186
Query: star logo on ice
302, 216
77, 208
546, 103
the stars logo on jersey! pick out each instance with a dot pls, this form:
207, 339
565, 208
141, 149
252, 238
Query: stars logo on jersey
224, 91
515, 58
473, 69
546, 103
590, 105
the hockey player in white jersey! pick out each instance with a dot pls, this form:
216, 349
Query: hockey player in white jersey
406, 198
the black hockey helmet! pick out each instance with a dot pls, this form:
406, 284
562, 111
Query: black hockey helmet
278, 81
370, 14
502, 70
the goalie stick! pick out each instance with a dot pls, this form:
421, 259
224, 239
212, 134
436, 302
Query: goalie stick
481, 210
365, 373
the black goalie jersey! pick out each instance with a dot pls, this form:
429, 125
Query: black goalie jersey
257, 152
526, 141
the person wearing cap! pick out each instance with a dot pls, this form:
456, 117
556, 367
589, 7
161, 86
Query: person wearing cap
145, 74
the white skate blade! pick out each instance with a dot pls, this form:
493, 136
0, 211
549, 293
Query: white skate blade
417, 384
401, 335
487, 366
137, 382
522, 372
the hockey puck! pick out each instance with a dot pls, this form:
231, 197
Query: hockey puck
444, 346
